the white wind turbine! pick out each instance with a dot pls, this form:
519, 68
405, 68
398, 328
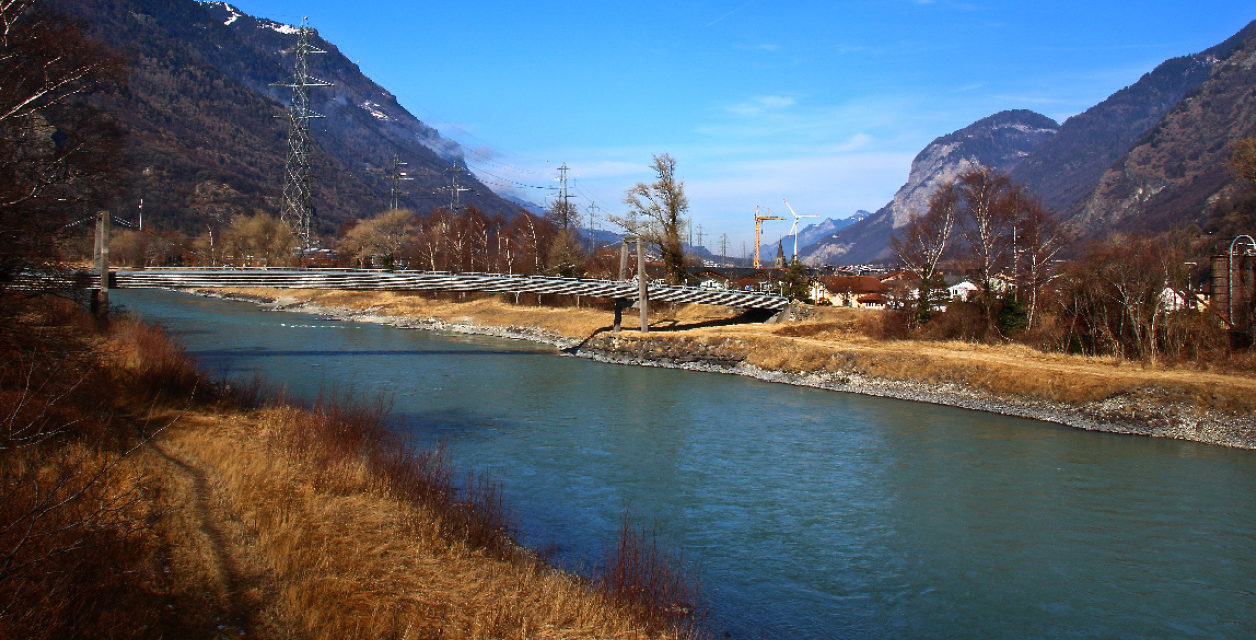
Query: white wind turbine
793, 231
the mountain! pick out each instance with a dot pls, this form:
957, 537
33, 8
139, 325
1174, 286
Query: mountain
815, 232
1174, 173
998, 141
828, 226
1065, 168
1148, 158
207, 136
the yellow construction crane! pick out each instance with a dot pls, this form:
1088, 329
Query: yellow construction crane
758, 223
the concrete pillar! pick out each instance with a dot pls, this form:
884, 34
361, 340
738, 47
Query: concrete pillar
643, 291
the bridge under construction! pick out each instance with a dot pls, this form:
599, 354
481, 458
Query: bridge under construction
624, 292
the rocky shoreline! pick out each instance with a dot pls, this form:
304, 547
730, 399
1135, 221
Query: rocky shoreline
1135, 413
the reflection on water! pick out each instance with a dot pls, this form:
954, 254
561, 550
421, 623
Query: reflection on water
808, 514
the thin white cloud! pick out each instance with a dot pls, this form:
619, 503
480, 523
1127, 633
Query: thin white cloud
727, 14
760, 104
854, 143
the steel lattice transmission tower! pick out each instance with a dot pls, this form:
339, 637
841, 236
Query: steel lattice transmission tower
296, 210
395, 179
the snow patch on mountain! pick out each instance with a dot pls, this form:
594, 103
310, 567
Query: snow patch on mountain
374, 109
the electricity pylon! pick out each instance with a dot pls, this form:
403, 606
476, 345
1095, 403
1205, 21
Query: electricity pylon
297, 209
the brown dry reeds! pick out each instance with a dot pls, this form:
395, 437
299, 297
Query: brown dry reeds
651, 584
155, 366
127, 510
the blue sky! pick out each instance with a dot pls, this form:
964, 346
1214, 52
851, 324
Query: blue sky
823, 103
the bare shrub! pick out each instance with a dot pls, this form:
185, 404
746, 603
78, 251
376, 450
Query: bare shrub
649, 583
74, 554
961, 321
155, 364
891, 324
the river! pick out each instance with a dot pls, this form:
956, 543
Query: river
804, 513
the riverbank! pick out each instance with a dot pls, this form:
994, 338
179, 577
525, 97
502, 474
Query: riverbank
828, 350
139, 499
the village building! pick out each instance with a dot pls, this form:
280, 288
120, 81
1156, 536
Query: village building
861, 292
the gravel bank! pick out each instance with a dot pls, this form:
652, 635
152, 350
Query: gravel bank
1139, 412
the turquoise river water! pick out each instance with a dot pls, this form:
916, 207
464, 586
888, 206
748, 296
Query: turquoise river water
804, 513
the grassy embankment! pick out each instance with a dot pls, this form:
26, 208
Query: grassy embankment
137, 499
829, 340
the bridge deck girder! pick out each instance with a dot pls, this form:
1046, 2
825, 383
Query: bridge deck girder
357, 279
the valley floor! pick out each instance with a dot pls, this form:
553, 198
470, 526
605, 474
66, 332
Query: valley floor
826, 349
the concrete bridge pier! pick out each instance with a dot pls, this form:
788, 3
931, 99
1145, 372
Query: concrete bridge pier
100, 294
643, 296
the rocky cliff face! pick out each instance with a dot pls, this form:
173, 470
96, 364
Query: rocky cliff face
1066, 168
1174, 173
999, 141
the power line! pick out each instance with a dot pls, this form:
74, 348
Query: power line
508, 181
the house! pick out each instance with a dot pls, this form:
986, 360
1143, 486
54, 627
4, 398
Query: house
1172, 300
962, 291
872, 301
863, 292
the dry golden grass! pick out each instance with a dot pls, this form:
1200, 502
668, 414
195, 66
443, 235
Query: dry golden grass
573, 322
347, 558
211, 521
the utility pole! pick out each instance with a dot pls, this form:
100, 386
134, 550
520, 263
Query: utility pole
297, 209
396, 178
593, 209
100, 297
724, 249
455, 191
567, 216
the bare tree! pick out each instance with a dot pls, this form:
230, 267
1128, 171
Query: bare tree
57, 152
1242, 160
563, 215
1039, 239
1117, 295
656, 213
925, 241
258, 240
988, 201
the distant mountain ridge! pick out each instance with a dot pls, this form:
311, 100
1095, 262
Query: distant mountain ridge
997, 141
815, 232
1174, 172
207, 137
1147, 158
